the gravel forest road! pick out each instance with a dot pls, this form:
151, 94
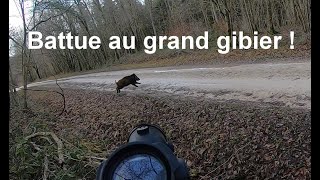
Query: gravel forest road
279, 83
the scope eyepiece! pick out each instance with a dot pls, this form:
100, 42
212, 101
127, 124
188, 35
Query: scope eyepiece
147, 155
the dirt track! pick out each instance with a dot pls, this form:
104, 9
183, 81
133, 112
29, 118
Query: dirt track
281, 83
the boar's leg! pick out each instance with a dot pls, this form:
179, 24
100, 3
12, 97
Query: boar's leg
134, 85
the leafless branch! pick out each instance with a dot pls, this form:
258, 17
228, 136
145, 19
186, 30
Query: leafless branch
62, 94
10, 37
42, 21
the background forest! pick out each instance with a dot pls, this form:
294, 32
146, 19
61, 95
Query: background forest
106, 18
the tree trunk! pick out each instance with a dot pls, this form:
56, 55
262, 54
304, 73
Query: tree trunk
249, 17
213, 11
151, 17
24, 46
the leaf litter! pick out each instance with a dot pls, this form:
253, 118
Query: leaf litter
218, 140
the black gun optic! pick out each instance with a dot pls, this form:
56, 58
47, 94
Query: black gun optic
147, 156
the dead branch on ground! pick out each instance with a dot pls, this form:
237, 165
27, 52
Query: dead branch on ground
55, 138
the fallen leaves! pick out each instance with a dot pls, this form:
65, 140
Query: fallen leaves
218, 140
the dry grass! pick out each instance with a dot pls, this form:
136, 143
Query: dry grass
36, 152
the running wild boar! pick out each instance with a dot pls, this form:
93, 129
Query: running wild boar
126, 81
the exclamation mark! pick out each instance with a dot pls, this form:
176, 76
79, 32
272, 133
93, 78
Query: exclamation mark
291, 38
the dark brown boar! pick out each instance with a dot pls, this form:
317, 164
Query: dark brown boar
126, 81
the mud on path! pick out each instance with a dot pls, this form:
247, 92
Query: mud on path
219, 140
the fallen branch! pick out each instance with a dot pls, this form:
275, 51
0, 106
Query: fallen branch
46, 168
55, 138
98, 158
35, 146
46, 138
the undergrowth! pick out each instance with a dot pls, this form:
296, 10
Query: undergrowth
38, 157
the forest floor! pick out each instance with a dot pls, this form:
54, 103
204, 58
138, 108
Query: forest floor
219, 140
